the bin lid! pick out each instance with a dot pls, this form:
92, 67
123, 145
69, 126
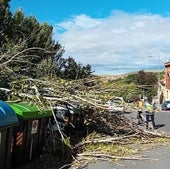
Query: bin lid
28, 111
8, 116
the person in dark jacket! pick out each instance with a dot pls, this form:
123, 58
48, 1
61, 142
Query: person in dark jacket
139, 117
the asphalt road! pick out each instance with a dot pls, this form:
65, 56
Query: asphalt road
162, 120
160, 155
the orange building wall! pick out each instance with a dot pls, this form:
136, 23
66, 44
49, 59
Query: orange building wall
167, 75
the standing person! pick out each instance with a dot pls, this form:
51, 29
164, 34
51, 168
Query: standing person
149, 111
140, 111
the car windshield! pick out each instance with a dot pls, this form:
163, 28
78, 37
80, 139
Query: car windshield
117, 101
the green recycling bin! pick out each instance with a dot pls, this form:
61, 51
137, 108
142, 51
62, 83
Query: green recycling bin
30, 134
8, 120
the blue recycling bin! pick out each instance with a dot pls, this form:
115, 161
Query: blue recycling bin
8, 120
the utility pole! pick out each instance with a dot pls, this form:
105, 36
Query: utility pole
159, 107
158, 90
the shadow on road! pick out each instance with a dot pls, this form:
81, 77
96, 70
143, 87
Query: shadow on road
159, 126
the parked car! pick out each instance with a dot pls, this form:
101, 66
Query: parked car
165, 105
115, 104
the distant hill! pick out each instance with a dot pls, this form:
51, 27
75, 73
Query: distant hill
114, 77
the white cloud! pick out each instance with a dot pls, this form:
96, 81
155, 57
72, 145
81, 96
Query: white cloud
120, 39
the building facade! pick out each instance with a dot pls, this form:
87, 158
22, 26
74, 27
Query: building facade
165, 83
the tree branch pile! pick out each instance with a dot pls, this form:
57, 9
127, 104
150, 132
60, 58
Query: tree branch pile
112, 129
88, 95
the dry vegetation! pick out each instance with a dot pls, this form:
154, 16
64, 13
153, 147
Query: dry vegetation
106, 78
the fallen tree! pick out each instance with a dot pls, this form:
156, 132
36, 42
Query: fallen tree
113, 130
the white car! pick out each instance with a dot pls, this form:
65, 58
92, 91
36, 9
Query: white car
115, 104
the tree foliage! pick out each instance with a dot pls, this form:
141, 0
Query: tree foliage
142, 84
72, 70
28, 49
5, 23
146, 78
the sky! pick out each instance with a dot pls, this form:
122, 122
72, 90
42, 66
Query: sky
113, 36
